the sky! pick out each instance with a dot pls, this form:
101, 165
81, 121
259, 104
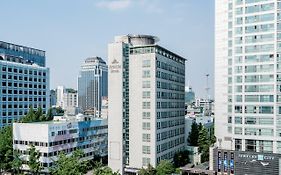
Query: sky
70, 31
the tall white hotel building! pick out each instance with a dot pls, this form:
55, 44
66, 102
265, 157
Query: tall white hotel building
248, 77
146, 103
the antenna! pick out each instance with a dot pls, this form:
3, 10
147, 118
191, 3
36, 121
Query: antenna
207, 86
207, 102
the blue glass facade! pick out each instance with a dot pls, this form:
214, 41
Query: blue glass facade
92, 84
24, 81
28, 54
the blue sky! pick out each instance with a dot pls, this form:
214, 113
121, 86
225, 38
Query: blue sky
70, 31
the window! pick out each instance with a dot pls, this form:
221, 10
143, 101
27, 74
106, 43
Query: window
146, 149
146, 74
146, 137
146, 84
145, 63
238, 130
146, 126
145, 161
146, 94
145, 105
238, 144
146, 115
238, 120
250, 145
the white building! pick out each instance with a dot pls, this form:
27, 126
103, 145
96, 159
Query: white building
60, 93
67, 99
64, 135
247, 75
104, 107
146, 103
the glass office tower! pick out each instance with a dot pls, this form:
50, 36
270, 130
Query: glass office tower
92, 84
24, 81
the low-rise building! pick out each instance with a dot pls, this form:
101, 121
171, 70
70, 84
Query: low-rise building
63, 134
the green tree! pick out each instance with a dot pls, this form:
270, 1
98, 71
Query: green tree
181, 158
50, 115
150, 170
70, 165
165, 167
33, 160
59, 111
6, 148
193, 135
38, 114
204, 144
100, 169
212, 135
17, 163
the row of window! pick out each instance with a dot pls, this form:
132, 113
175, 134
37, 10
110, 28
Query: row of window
23, 99
67, 151
254, 145
170, 123
61, 142
170, 67
239, 2
254, 68
251, 109
10, 106
255, 39
24, 85
170, 77
170, 95
170, 114
169, 134
170, 86
170, 144
20, 77
252, 120
254, 58
23, 71
253, 88
254, 9
256, 29
19, 113
254, 131
169, 105
22, 92
254, 98
255, 18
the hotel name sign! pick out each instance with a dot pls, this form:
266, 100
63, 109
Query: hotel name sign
115, 67
256, 157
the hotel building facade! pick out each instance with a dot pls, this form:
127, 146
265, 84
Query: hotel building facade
146, 103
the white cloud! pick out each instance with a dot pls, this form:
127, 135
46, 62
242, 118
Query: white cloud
114, 4
151, 6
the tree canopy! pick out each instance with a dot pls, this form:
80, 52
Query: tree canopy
71, 165
100, 169
165, 167
6, 148
33, 160
181, 158
193, 135
36, 116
